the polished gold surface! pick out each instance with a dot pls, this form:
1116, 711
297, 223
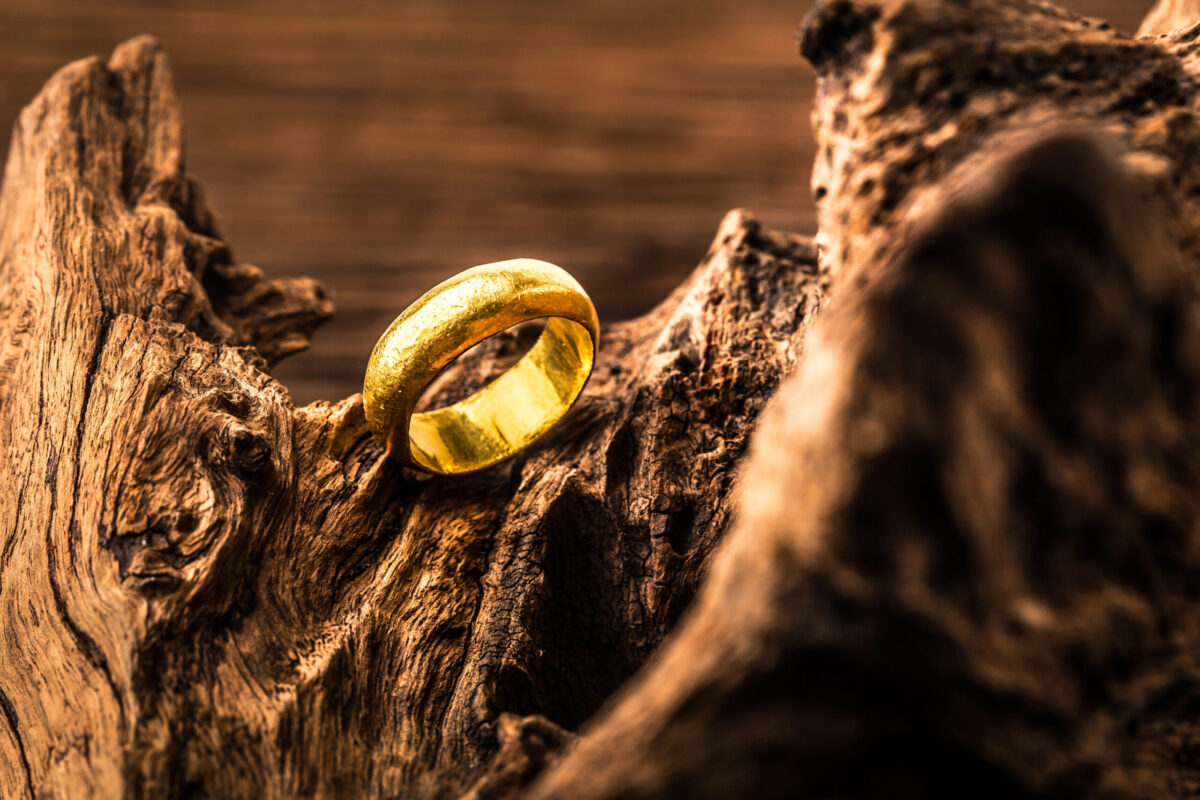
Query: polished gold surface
511, 412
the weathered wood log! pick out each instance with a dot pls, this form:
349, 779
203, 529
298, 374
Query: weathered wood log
206, 591
965, 561
991, 590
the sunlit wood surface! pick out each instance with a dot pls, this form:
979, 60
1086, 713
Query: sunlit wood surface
383, 146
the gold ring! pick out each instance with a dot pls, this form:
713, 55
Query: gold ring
515, 409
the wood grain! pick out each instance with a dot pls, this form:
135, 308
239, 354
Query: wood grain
208, 591
380, 147
959, 558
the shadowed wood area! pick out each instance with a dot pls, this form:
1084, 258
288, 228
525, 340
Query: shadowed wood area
380, 147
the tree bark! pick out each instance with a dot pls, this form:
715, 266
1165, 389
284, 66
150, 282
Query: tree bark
207, 591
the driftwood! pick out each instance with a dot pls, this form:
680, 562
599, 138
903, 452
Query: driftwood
208, 591
964, 560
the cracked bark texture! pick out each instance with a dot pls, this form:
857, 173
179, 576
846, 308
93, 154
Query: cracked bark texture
206, 591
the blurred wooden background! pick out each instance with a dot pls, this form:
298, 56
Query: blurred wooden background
383, 146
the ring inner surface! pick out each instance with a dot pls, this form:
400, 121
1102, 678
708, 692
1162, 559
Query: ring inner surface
512, 411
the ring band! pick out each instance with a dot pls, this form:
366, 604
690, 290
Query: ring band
515, 409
